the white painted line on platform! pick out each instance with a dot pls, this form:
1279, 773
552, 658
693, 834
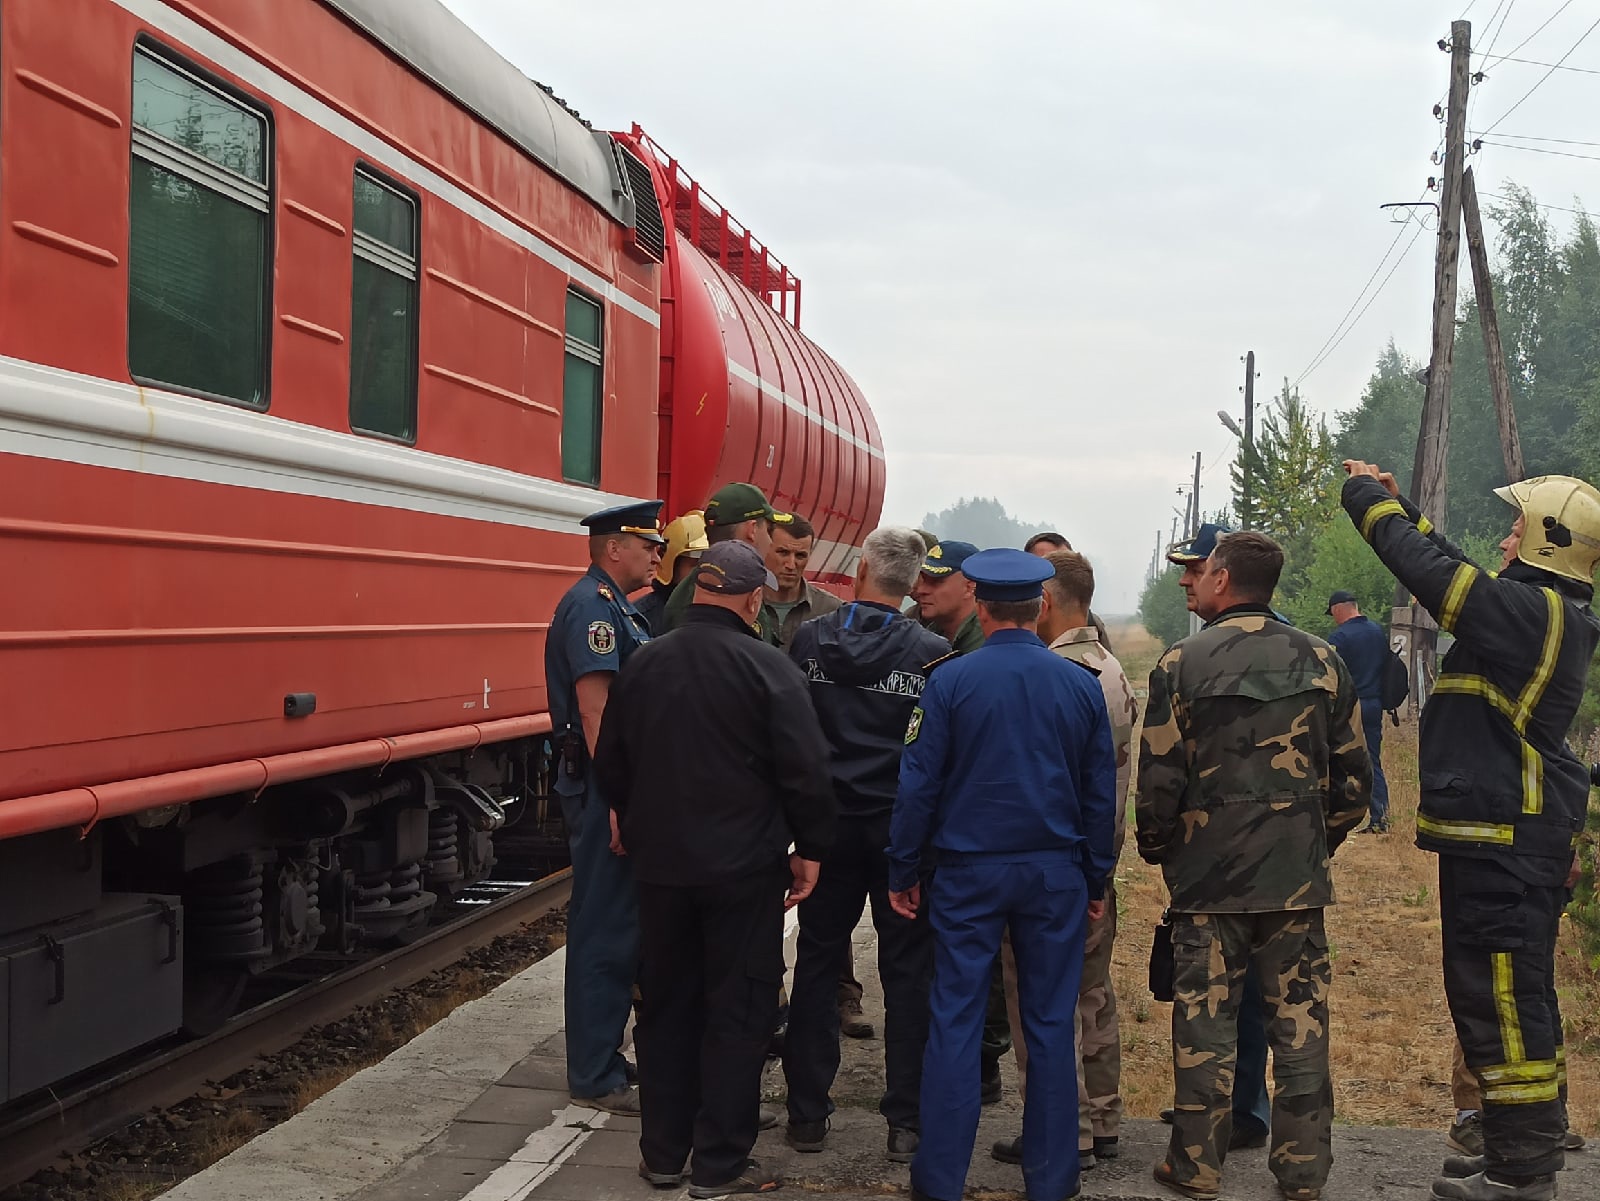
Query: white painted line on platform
541, 1156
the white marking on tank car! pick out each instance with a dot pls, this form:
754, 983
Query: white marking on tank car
486, 692
741, 372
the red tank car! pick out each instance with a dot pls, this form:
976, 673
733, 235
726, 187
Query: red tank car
744, 394
320, 328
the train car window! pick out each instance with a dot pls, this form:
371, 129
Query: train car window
383, 321
582, 390
198, 236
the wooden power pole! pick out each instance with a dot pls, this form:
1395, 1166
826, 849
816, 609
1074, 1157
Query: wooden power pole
1194, 525
1411, 627
1248, 450
1499, 378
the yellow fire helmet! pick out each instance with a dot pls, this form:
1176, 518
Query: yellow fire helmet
686, 533
1561, 524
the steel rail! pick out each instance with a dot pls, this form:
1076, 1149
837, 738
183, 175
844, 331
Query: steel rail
35, 1135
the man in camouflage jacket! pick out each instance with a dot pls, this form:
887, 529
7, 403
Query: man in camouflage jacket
1252, 771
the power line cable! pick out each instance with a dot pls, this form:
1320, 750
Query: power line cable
1595, 158
1488, 55
1528, 137
1316, 359
1545, 76
1495, 36
1357, 320
1530, 62
1509, 199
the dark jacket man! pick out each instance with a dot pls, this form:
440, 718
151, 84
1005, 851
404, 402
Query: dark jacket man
1364, 647
712, 758
1503, 797
867, 665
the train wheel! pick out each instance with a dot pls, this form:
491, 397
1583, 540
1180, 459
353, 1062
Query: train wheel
211, 996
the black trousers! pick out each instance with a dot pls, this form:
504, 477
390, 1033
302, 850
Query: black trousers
855, 872
711, 962
1499, 977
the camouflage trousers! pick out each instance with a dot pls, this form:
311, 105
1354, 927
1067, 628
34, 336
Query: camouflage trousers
1211, 952
1099, 1038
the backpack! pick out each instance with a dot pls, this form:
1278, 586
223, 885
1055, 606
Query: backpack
1396, 686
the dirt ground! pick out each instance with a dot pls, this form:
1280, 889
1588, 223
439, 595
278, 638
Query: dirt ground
1391, 1030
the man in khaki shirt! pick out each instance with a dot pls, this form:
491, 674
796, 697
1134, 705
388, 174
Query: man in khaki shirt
795, 599
1065, 624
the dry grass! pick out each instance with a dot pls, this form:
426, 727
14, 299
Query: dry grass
1391, 1032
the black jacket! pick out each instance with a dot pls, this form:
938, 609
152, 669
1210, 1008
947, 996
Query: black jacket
866, 665
1498, 780
653, 607
711, 754
1364, 647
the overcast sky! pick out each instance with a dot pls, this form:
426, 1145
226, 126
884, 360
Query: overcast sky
1041, 235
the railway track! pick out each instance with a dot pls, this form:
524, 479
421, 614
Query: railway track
37, 1133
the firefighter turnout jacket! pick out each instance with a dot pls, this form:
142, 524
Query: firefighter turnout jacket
1498, 780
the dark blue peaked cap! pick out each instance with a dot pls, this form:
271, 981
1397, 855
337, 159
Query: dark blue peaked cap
641, 517
1197, 549
1006, 574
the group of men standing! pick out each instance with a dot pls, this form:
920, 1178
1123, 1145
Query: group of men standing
691, 761
965, 775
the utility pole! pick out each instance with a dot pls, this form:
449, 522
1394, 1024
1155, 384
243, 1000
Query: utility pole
1194, 525
1494, 352
1246, 507
1411, 624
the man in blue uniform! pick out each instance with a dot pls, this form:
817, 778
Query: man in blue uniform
1010, 776
1364, 647
592, 635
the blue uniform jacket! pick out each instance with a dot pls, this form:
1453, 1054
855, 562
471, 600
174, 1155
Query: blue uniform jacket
594, 629
1364, 647
1008, 756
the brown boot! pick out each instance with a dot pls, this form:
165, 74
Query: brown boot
851, 1023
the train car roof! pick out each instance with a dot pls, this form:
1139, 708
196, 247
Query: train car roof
439, 46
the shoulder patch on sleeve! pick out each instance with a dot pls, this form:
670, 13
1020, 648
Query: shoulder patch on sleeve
914, 726
602, 637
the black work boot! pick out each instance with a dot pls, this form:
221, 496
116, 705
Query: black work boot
990, 1087
1483, 1187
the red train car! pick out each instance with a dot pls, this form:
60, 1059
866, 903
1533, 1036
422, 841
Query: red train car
320, 327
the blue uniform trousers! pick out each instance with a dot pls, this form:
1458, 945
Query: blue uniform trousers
602, 949
1372, 727
969, 903
1252, 1108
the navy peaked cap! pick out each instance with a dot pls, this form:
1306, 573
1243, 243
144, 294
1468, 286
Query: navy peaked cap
1197, 549
641, 517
